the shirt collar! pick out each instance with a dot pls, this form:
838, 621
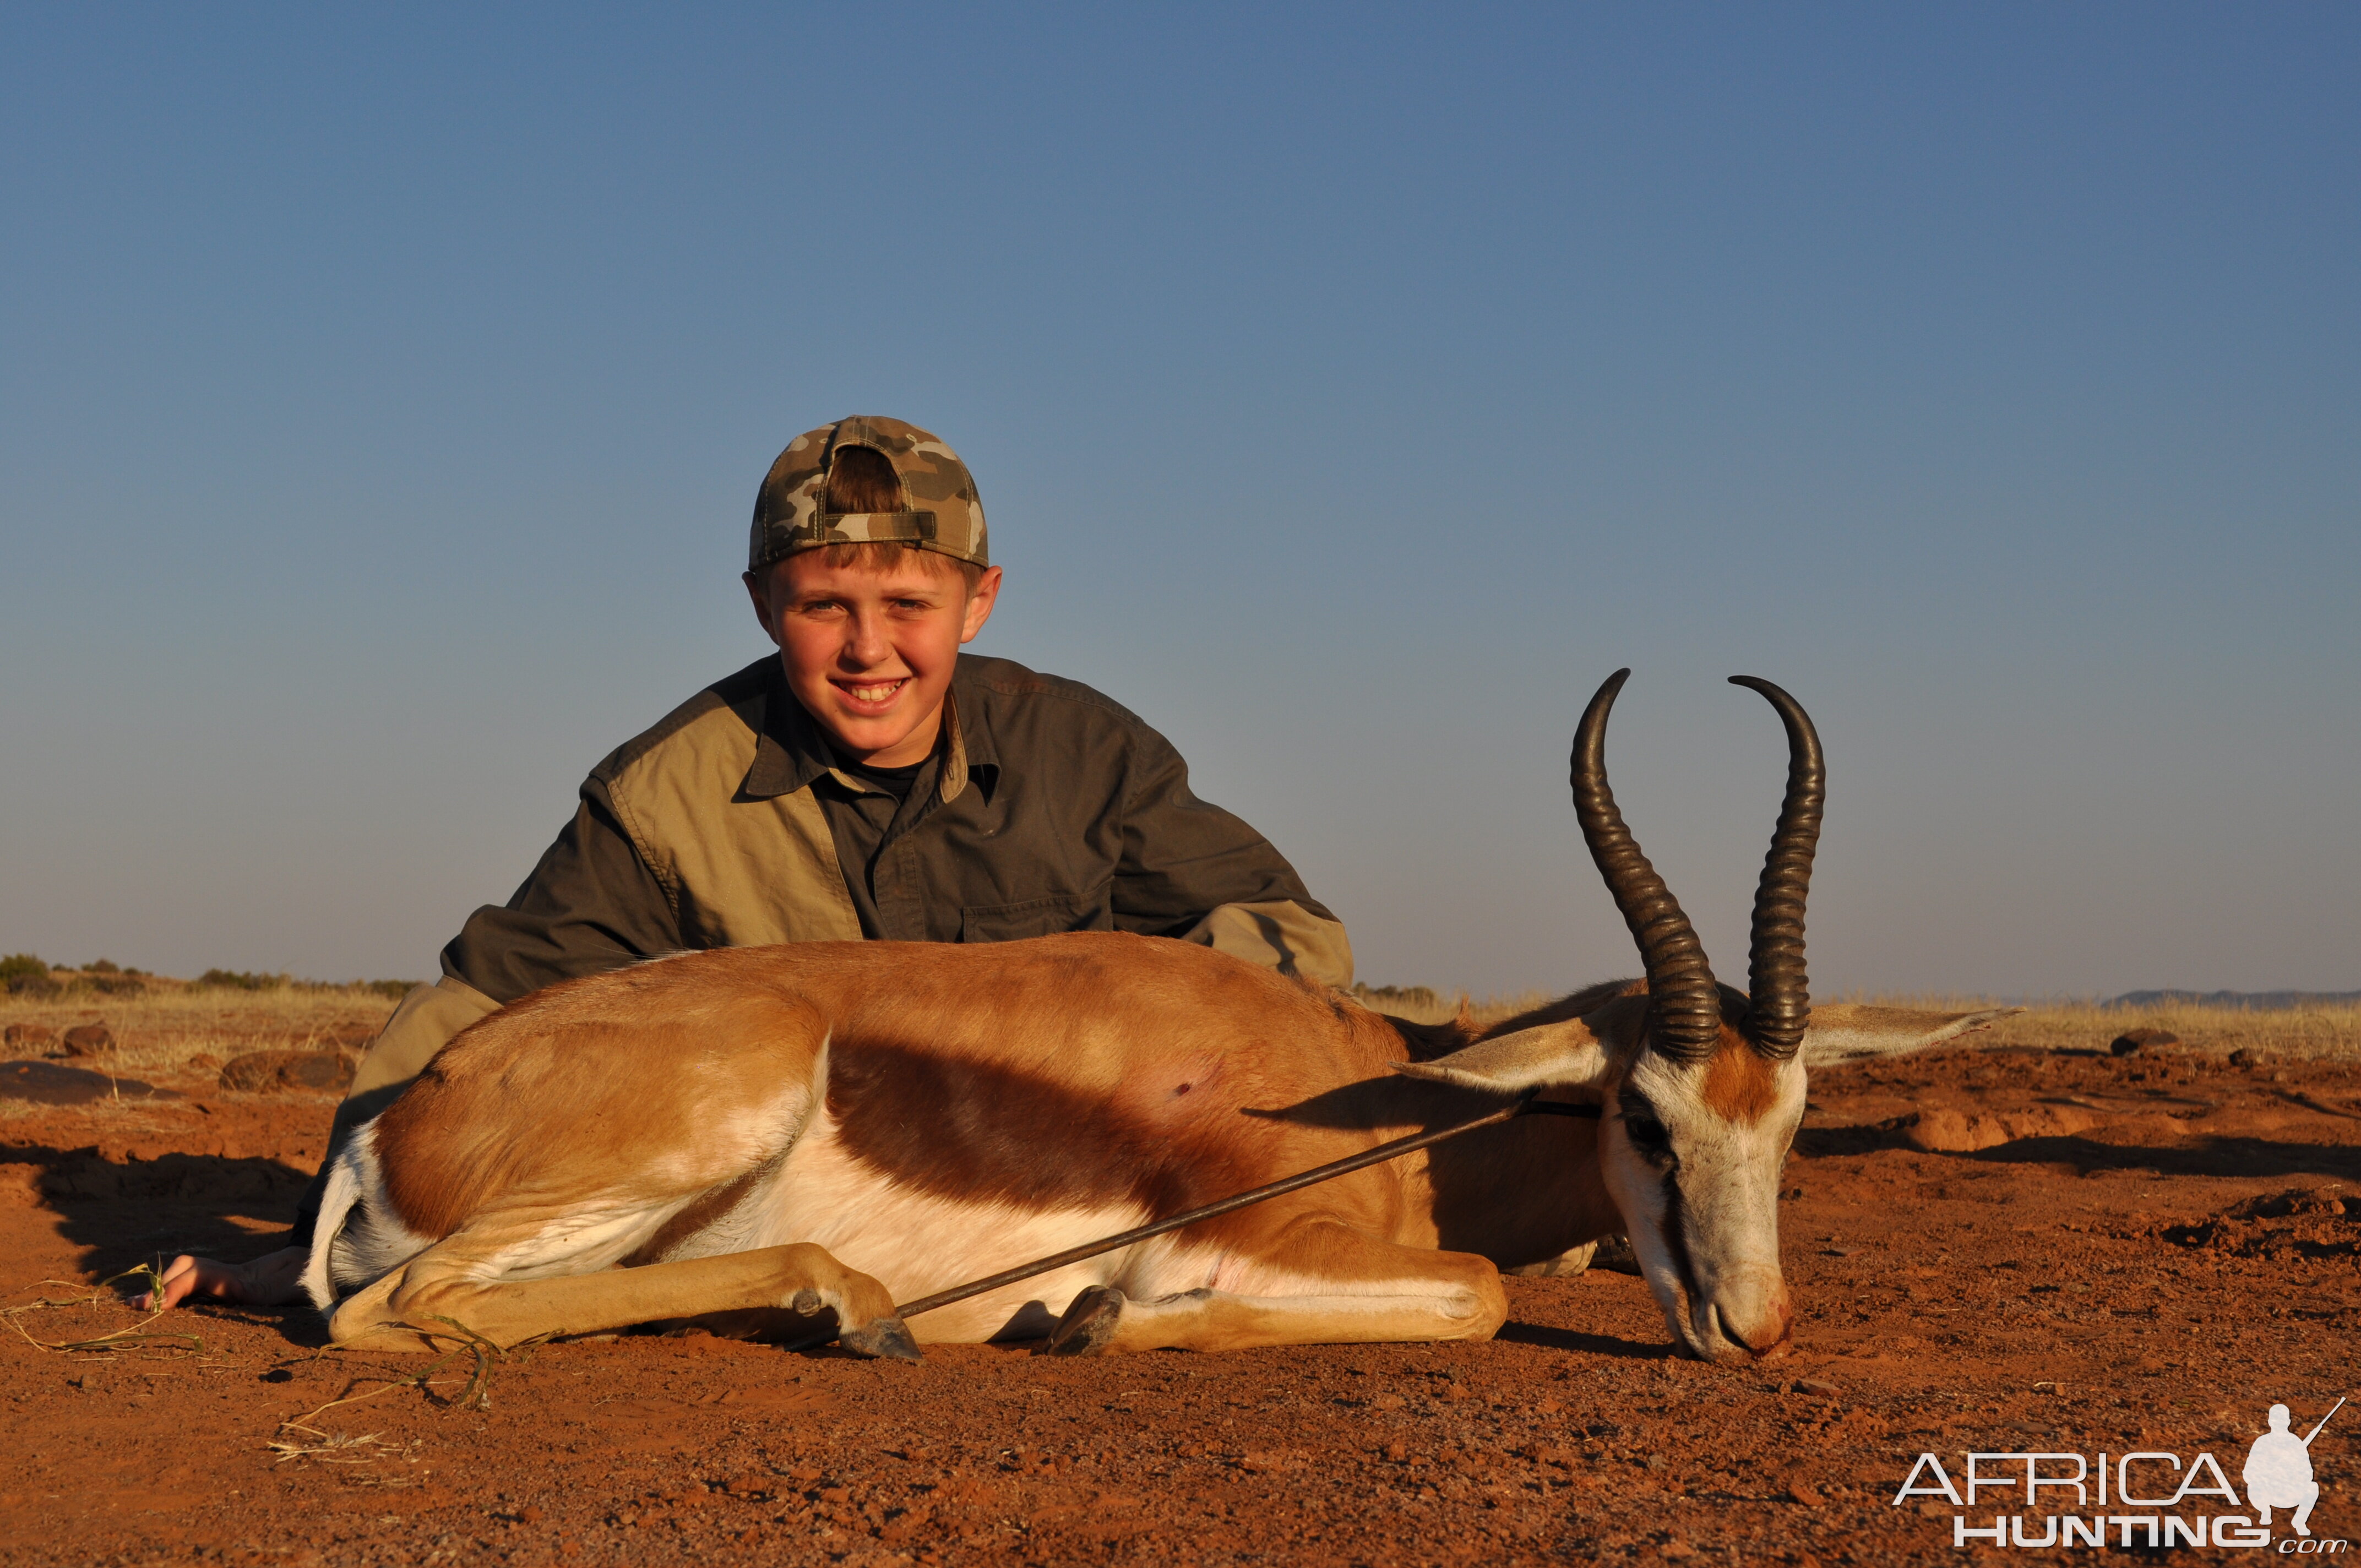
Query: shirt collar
791, 749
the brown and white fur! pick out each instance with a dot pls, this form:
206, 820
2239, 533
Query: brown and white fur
788, 1140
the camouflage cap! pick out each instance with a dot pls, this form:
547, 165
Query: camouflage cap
941, 509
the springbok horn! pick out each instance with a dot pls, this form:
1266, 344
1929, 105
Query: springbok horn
1681, 991
1779, 994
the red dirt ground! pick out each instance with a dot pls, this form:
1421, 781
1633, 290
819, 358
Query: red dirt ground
2147, 1254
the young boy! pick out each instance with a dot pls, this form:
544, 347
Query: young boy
871, 781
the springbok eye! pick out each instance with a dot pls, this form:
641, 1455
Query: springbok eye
1646, 1133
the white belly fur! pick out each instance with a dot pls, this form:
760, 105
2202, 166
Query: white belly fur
915, 1243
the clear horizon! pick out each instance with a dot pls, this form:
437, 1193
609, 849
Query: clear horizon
382, 398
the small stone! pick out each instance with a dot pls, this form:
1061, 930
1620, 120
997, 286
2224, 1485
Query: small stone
28, 1036
268, 1072
1948, 1131
2132, 1042
89, 1040
46, 1083
528, 1514
2246, 1056
1802, 1493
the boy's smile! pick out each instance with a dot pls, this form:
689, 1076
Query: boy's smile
869, 650
879, 695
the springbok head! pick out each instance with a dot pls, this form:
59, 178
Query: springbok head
1700, 1092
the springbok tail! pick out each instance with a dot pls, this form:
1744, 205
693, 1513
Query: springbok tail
336, 1199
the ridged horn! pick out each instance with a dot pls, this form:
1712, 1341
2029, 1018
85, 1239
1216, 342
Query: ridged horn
1779, 993
1682, 996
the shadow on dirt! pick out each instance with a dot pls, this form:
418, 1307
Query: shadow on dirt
1573, 1339
2199, 1156
122, 1215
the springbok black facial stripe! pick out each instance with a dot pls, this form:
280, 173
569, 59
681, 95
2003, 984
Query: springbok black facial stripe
1634, 1107
1676, 1240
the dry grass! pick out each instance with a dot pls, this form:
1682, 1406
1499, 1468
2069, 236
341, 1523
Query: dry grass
1427, 1004
2324, 1033
159, 1029
2305, 1034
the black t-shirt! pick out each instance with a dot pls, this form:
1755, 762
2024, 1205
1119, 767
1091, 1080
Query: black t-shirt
896, 782
864, 824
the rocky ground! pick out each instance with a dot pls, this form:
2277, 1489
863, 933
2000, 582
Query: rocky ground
2004, 1247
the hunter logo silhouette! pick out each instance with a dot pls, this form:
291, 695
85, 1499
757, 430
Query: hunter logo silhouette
2110, 1498
2279, 1470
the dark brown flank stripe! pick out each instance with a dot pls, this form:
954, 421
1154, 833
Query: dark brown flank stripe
974, 1130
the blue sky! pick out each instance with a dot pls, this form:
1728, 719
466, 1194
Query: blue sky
383, 394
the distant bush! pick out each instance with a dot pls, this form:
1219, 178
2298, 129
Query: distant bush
102, 966
238, 980
25, 975
1382, 996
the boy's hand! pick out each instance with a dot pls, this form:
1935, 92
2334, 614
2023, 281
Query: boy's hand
271, 1281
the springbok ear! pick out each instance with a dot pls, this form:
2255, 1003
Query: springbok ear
1562, 1055
1846, 1031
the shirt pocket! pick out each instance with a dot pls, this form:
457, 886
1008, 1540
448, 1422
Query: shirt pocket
1037, 918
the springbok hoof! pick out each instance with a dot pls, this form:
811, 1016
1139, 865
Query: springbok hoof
1089, 1323
883, 1337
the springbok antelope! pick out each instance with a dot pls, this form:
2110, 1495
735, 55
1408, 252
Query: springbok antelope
758, 1138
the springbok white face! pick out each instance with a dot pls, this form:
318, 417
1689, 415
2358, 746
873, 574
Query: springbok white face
1692, 1153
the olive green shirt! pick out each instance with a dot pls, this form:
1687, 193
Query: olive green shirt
1045, 807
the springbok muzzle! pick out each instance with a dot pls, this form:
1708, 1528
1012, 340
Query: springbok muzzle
1752, 1321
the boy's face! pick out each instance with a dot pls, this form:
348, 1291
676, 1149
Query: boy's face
868, 653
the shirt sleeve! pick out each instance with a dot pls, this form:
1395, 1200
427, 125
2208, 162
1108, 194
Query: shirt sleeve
590, 906
1191, 870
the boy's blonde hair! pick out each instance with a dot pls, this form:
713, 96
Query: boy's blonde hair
861, 479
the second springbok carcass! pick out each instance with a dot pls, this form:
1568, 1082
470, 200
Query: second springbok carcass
757, 1138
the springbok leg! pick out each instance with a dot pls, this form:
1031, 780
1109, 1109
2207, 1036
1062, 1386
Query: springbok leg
408, 1309
1340, 1287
